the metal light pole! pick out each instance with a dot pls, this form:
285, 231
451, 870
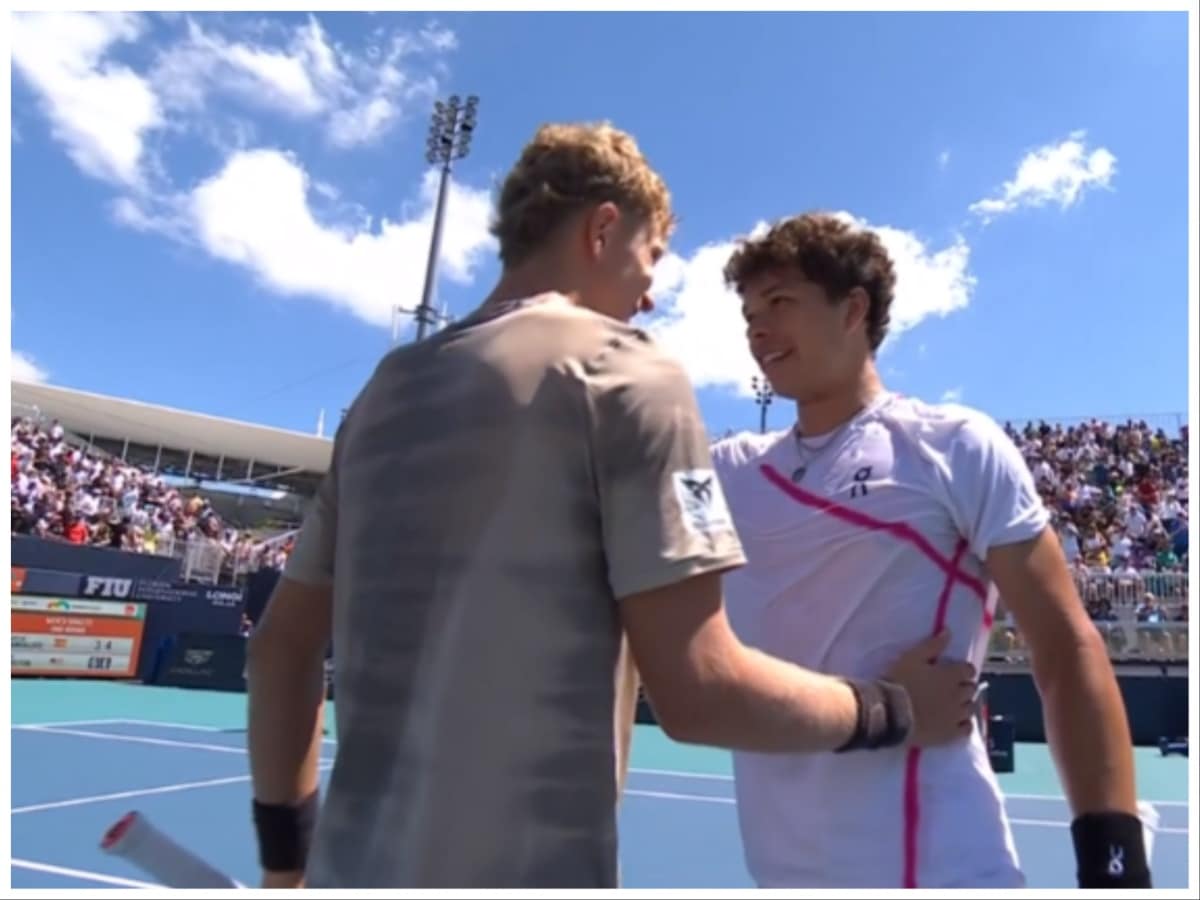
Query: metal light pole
450, 131
763, 395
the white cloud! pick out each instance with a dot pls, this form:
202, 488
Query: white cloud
360, 95
259, 210
1053, 174
98, 109
25, 369
255, 213
700, 321
944, 159
274, 78
952, 395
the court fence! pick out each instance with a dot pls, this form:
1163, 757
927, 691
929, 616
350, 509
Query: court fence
1143, 618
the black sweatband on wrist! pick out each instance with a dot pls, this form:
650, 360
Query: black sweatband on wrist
885, 717
1110, 851
285, 833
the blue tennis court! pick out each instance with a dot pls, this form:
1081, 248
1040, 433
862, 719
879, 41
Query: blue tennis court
74, 778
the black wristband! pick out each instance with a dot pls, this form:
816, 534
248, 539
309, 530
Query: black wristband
1110, 851
885, 716
285, 833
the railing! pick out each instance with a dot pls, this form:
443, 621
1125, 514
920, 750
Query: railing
1115, 602
205, 560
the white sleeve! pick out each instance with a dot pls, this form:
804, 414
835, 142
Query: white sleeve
992, 494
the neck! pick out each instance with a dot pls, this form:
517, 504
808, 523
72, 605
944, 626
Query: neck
838, 407
532, 279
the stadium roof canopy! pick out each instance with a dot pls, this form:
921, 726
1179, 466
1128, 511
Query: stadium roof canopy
110, 417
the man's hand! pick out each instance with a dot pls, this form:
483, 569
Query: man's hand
278, 881
942, 693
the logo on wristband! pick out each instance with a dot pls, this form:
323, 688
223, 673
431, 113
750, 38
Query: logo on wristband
1116, 861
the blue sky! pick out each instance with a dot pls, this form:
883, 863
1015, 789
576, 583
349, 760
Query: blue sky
216, 212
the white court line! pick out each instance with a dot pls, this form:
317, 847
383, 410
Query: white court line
135, 739
1053, 823
143, 792
666, 795
1055, 798
702, 798
1051, 797
81, 874
181, 726
138, 739
666, 773
27, 726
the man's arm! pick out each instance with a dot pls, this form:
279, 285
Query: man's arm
999, 511
1084, 712
286, 669
709, 688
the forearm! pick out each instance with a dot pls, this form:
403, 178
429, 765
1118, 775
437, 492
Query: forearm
762, 704
286, 714
1086, 727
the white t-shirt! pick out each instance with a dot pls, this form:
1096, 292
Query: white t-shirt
849, 566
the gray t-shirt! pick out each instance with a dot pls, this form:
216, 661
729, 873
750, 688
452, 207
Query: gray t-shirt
494, 491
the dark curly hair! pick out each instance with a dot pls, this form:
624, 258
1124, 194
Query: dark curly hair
831, 253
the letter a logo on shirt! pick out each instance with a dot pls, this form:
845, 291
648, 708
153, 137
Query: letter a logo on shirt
701, 501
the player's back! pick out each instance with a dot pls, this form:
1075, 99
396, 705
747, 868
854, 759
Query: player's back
476, 630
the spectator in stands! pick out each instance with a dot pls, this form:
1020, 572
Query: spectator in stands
1119, 491
70, 493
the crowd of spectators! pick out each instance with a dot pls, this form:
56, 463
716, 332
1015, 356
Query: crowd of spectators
68, 493
1118, 495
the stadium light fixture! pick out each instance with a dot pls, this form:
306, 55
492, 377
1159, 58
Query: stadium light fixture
451, 127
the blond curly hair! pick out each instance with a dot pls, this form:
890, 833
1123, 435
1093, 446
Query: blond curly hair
567, 167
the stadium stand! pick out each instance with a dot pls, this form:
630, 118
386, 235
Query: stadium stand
151, 480
1118, 494
224, 497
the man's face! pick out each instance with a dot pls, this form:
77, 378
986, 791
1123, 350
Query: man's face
803, 343
622, 254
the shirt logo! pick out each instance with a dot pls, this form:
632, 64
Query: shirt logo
701, 501
859, 487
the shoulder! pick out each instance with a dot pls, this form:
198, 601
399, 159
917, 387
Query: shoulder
949, 430
743, 449
600, 349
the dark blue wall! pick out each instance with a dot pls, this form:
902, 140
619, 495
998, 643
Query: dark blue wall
35, 553
1155, 703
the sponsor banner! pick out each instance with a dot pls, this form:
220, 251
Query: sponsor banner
73, 606
153, 591
214, 662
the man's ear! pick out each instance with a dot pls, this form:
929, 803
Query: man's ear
858, 304
600, 228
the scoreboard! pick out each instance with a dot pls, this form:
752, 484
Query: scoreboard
80, 638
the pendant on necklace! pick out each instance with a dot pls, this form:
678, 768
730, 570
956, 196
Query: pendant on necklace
798, 474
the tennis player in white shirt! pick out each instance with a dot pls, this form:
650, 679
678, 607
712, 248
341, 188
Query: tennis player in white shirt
873, 522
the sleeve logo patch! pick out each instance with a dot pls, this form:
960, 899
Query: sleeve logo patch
701, 501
